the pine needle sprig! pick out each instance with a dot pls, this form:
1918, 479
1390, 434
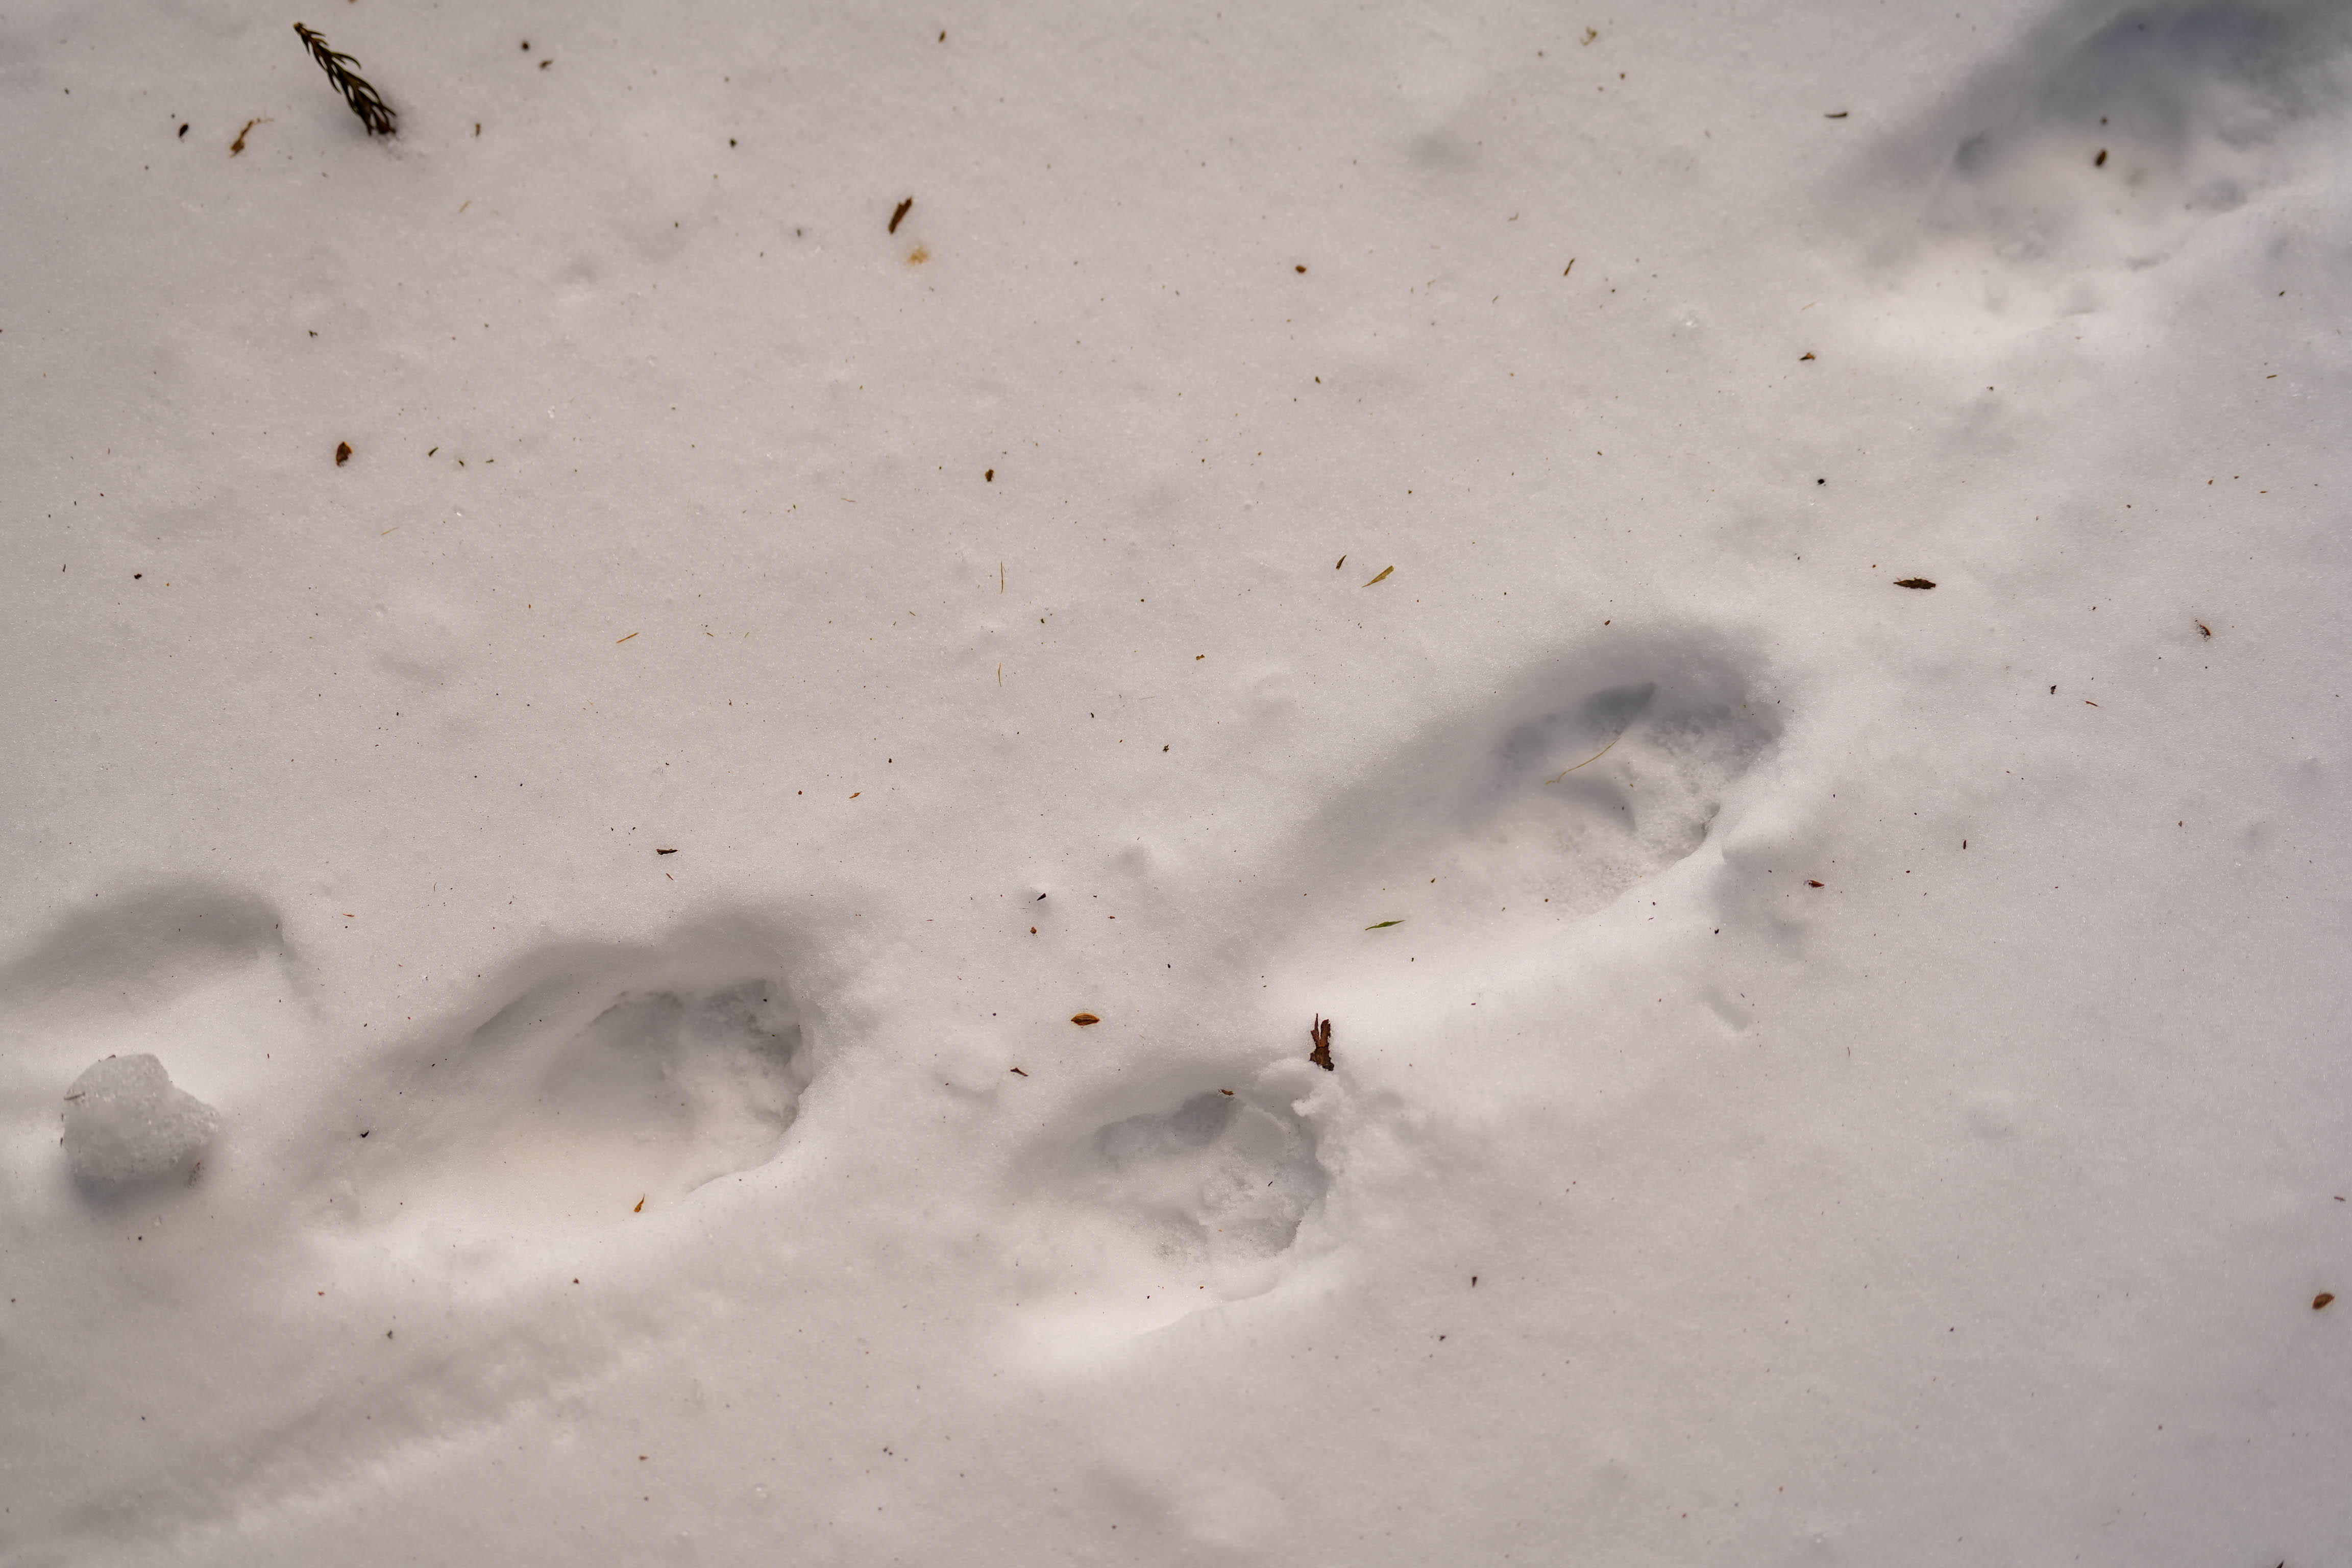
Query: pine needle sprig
365, 101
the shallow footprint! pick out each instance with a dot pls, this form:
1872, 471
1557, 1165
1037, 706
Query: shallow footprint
581, 1104
1150, 1216
1550, 808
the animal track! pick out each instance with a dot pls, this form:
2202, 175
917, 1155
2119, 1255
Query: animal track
578, 1102
1153, 1216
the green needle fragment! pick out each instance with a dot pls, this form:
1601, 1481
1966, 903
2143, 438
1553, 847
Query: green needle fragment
1384, 925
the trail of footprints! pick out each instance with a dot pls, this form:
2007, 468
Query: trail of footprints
609, 1082
598, 1088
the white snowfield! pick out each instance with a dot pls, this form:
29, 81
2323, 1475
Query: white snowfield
687, 751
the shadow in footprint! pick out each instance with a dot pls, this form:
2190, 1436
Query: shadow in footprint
1150, 1216
609, 1089
2103, 139
138, 949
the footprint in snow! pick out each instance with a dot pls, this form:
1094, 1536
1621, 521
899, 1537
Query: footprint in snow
599, 1093
2096, 145
1551, 805
1193, 1200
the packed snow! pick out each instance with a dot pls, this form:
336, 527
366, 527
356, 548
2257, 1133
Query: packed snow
700, 742
126, 1125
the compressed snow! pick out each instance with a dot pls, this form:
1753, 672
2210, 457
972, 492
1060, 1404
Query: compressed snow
583, 1102
126, 1124
863, 534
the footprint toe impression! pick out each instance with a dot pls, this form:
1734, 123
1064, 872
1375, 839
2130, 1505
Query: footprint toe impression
577, 1105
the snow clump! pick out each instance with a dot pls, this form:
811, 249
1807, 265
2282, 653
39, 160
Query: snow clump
126, 1124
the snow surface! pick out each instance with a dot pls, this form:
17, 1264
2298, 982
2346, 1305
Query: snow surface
1825, 1072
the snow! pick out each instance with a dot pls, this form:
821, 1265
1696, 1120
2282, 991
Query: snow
126, 1125
1385, 514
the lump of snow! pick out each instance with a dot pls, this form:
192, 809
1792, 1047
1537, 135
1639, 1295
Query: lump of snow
126, 1124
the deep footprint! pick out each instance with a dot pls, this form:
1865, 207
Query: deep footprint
578, 1105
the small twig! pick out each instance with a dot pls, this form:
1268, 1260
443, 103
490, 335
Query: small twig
365, 101
1588, 761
